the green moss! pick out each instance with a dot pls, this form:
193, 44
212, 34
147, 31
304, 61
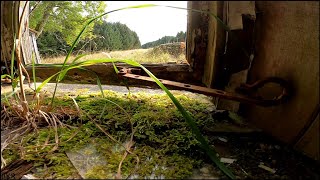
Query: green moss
162, 137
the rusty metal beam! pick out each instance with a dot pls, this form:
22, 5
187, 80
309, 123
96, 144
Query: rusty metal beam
248, 89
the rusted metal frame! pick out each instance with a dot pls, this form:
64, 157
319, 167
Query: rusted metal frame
222, 94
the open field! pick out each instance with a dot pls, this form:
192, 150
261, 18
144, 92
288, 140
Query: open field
139, 55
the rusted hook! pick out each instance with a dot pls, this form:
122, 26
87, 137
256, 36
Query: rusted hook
250, 89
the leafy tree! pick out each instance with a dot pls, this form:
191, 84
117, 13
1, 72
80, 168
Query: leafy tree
51, 43
66, 17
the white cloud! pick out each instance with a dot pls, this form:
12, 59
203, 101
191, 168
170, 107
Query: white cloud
150, 23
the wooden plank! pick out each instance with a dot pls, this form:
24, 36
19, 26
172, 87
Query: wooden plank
35, 48
7, 26
107, 75
25, 41
216, 43
197, 35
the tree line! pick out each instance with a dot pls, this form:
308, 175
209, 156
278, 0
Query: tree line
180, 37
106, 36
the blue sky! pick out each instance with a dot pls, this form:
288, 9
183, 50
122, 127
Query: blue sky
150, 23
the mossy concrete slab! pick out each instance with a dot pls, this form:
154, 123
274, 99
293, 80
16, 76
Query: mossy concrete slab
86, 159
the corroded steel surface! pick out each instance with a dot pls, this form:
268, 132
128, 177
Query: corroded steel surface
247, 90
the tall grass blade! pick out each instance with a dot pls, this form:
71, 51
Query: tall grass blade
45, 82
190, 121
115, 68
204, 144
78, 57
81, 32
12, 67
9, 95
5, 75
34, 72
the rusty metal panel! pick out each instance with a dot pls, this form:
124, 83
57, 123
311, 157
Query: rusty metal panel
287, 46
247, 92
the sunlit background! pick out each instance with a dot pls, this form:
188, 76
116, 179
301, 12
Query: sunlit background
150, 23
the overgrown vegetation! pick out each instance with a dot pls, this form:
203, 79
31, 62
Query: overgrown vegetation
65, 18
34, 115
162, 137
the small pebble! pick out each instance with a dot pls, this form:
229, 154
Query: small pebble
227, 160
222, 139
28, 176
267, 168
204, 170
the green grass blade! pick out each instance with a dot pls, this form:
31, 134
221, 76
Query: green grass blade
48, 65
97, 17
45, 82
9, 95
204, 144
115, 68
100, 86
227, 28
81, 32
5, 75
34, 72
12, 67
78, 57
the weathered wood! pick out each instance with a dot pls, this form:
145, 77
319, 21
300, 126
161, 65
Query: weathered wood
11, 12
16, 169
35, 47
25, 37
197, 35
216, 44
107, 75
8, 26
